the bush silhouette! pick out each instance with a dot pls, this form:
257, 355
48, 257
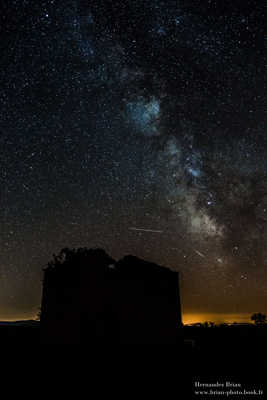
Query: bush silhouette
259, 318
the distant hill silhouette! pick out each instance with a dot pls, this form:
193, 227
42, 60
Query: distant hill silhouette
88, 297
27, 323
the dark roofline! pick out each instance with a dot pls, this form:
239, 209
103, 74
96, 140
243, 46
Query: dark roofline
146, 265
127, 264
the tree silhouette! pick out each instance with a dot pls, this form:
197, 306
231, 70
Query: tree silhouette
38, 316
259, 318
208, 324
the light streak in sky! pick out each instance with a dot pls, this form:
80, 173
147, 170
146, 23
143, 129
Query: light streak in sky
145, 230
200, 254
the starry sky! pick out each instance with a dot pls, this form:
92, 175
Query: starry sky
139, 127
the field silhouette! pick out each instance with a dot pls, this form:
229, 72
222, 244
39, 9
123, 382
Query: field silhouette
91, 299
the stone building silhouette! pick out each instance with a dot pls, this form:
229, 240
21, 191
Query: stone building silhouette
88, 297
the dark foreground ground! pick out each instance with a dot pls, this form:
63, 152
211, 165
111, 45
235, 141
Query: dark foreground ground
233, 354
20, 333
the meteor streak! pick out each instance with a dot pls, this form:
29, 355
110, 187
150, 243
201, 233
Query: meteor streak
200, 254
145, 230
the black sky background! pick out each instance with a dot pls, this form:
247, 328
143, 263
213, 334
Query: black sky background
117, 115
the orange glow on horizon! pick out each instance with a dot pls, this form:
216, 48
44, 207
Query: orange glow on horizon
192, 318
23, 317
187, 318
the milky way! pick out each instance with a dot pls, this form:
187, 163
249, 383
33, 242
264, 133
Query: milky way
139, 127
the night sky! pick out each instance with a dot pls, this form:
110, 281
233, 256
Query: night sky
138, 127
